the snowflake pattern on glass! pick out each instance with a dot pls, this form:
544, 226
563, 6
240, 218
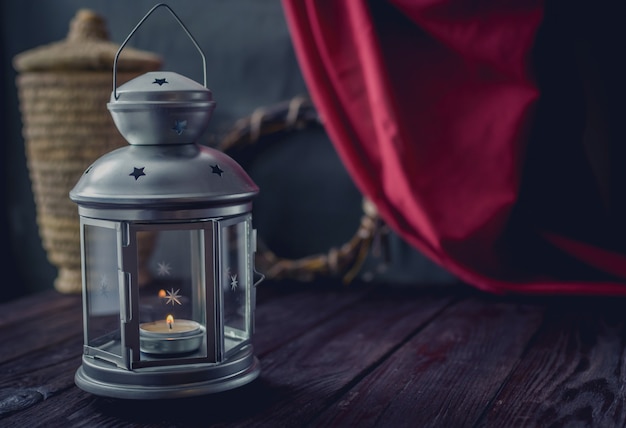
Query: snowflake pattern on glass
231, 280
164, 269
103, 286
173, 297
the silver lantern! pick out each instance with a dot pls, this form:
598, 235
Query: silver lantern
189, 331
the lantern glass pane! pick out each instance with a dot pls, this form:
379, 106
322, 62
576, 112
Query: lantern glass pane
172, 309
235, 285
102, 289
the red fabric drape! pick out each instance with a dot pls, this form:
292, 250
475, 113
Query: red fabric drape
431, 106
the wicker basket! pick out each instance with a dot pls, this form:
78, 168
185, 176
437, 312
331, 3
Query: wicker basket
63, 89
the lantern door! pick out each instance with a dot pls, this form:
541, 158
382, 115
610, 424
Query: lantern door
174, 319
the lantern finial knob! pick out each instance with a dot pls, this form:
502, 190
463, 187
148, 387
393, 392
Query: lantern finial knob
87, 25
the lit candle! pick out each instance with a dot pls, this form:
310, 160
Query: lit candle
170, 336
168, 326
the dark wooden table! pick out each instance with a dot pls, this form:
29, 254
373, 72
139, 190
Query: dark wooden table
444, 356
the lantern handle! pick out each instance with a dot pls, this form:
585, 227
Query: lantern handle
139, 25
258, 277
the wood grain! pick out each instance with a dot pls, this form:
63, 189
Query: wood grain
445, 375
360, 356
308, 373
44, 331
574, 374
330, 340
36, 305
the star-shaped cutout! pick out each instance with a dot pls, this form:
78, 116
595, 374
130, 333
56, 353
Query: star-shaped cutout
163, 268
137, 172
179, 126
217, 170
233, 282
160, 82
172, 297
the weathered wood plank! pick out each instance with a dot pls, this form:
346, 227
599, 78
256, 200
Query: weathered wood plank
306, 375
39, 374
23, 337
58, 408
575, 372
295, 311
35, 306
35, 369
51, 383
447, 374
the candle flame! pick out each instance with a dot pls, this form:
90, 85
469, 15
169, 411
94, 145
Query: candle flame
170, 321
162, 293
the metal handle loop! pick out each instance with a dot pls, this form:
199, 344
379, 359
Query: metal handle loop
137, 27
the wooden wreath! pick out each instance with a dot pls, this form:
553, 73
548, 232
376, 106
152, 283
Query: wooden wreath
344, 261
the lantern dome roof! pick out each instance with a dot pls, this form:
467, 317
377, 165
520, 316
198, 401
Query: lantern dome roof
179, 176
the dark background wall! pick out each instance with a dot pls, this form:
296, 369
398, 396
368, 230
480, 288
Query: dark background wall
308, 202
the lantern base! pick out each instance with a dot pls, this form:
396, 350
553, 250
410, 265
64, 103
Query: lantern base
100, 378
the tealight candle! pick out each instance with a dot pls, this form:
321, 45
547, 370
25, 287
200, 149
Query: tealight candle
170, 336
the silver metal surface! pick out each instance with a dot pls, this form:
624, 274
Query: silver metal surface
181, 343
161, 88
161, 108
165, 214
101, 378
164, 177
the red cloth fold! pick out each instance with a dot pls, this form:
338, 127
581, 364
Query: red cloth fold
430, 105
